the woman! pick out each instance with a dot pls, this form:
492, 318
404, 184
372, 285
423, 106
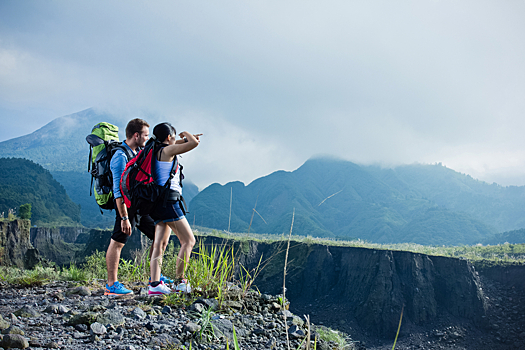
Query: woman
167, 213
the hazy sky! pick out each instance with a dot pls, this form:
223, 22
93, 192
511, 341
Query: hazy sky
272, 83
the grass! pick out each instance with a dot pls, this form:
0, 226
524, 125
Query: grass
329, 335
478, 254
35, 277
207, 330
211, 270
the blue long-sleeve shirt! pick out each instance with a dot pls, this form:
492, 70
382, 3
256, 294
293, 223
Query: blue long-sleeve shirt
117, 166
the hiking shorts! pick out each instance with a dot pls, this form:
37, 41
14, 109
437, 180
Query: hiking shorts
144, 223
171, 212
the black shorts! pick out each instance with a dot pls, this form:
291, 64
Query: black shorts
173, 211
144, 223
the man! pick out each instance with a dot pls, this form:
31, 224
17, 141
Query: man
137, 133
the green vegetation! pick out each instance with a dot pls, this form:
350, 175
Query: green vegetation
24, 183
328, 335
478, 254
514, 237
425, 204
25, 211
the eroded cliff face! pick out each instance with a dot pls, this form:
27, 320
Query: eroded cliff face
371, 286
57, 244
15, 245
65, 245
98, 240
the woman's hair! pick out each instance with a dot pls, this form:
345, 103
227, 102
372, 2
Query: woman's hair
161, 132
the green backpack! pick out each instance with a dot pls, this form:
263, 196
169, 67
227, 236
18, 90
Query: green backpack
103, 142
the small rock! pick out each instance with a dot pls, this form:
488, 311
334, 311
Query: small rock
62, 309
275, 306
13, 330
295, 320
232, 304
209, 303
152, 326
138, 313
27, 311
266, 298
296, 332
166, 310
82, 290
34, 342
81, 327
455, 335
3, 323
97, 308
60, 296
270, 344
52, 345
84, 318
197, 307
78, 335
97, 328
14, 341
125, 347
163, 339
259, 331
191, 327
113, 317
52, 309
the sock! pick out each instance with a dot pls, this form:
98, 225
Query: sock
154, 284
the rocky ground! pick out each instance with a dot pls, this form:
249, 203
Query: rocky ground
62, 315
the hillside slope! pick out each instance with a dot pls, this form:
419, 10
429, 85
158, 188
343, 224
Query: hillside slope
22, 181
60, 146
336, 198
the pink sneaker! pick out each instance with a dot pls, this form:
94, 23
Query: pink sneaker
160, 289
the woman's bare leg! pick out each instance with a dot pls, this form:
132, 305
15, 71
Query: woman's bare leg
162, 237
187, 240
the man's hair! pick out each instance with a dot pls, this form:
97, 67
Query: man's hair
135, 125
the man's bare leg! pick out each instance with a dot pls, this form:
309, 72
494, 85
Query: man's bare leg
112, 259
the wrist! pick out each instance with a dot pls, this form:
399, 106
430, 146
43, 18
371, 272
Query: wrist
124, 218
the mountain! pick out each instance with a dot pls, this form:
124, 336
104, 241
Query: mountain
60, 146
501, 207
512, 237
22, 181
426, 204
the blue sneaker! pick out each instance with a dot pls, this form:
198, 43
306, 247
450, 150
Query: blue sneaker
117, 289
163, 279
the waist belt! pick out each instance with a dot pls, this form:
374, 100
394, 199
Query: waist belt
174, 196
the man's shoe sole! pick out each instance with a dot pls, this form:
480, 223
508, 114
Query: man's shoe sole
109, 293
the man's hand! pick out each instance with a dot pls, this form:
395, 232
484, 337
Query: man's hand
125, 226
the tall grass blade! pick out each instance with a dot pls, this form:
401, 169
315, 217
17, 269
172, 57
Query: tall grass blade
398, 327
284, 281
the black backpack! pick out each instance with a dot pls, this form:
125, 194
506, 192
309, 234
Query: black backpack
103, 142
137, 186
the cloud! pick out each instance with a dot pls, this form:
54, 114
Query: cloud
372, 82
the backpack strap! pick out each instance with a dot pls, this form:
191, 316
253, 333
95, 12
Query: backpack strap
127, 151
